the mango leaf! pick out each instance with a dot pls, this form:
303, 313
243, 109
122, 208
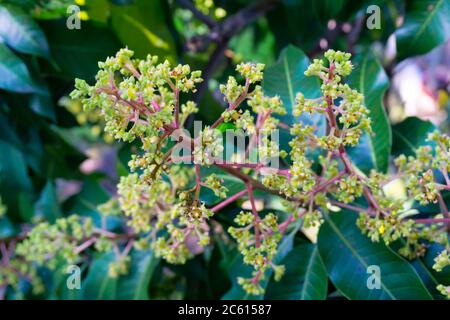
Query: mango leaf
7, 229
286, 78
134, 286
410, 134
256, 43
305, 277
98, 10
47, 205
328, 9
98, 285
61, 276
426, 26
42, 104
20, 32
347, 254
77, 52
14, 75
14, 179
302, 32
430, 277
369, 78
143, 29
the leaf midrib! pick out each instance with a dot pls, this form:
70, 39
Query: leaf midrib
308, 271
142, 277
355, 253
425, 23
288, 80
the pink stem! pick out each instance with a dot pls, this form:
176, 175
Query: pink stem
433, 220
156, 105
229, 200
255, 214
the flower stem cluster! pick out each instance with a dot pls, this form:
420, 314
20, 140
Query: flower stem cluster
161, 201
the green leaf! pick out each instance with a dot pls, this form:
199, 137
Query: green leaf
14, 75
77, 52
256, 43
430, 277
328, 9
305, 277
42, 104
369, 78
59, 289
426, 26
48, 205
407, 140
20, 32
286, 78
98, 285
141, 26
14, 179
347, 254
290, 29
134, 286
7, 229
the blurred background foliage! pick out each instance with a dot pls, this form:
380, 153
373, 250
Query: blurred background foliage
56, 161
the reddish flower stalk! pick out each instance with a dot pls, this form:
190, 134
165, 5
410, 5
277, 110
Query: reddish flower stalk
231, 199
432, 220
255, 214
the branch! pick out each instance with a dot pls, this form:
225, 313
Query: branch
197, 13
255, 214
229, 200
221, 33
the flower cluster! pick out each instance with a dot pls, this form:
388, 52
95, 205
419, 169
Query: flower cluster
141, 92
47, 243
349, 188
442, 261
215, 184
208, 147
258, 250
161, 201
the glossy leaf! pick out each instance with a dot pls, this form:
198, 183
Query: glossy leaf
141, 26
305, 277
42, 104
134, 286
98, 284
6, 228
48, 206
14, 75
369, 78
328, 9
347, 254
430, 277
411, 134
14, 179
426, 26
19, 31
286, 78
77, 52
